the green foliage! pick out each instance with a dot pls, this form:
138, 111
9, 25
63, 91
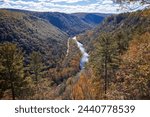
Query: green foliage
11, 68
36, 66
104, 59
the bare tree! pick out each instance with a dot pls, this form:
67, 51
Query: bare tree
128, 4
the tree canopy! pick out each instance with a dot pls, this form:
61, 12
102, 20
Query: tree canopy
11, 68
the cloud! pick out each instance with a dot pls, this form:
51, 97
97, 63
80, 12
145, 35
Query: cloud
4, 0
66, 1
69, 1
107, 2
68, 6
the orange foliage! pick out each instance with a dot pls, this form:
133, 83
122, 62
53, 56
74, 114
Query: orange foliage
87, 87
80, 89
135, 69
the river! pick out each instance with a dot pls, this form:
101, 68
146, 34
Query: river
85, 56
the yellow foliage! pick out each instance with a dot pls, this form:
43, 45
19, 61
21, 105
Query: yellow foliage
87, 87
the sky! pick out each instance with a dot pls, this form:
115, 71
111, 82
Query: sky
69, 6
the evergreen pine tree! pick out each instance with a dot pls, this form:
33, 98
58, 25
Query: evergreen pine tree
105, 59
11, 68
36, 66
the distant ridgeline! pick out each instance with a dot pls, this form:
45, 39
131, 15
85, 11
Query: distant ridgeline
72, 24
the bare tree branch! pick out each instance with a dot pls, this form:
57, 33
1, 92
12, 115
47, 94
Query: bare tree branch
128, 4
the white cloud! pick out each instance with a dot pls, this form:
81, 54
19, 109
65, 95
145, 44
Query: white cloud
66, 1
4, 0
107, 2
102, 6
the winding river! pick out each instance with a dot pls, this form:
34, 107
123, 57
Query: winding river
85, 56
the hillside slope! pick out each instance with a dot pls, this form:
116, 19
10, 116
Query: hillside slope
92, 19
32, 33
72, 24
68, 23
119, 65
127, 23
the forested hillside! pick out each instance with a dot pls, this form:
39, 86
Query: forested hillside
40, 61
119, 66
33, 34
72, 24
93, 19
29, 47
33, 57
